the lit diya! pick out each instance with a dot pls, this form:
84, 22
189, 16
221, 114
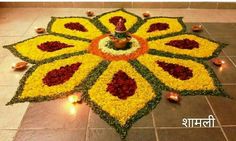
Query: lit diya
173, 97
40, 30
146, 14
217, 62
75, 98
197, 28
20, 66
90, 13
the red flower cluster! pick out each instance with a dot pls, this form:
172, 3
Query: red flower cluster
180, 72
53, 46
122, 85
183, 44
114, 20
61, 75
76, 26
158, 26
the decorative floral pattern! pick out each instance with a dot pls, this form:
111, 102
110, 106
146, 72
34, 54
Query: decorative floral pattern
120, 85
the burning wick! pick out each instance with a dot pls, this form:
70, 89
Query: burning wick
218, 62
173, 97
75, 98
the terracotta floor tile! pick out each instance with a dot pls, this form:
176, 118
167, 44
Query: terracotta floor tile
187, 134
223, 29
111, 135
9, 24
230, 133
55, 114
224, 107
11, 115
51, 135
226, 73
7, 135
233, 59
169, 114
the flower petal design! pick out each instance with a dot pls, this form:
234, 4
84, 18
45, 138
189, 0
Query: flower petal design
47, 47
55, 79
108, 20
122, 110
186, 45
74, 27
199, 80
158, 27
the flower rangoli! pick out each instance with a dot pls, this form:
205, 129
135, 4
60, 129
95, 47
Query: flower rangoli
120, 85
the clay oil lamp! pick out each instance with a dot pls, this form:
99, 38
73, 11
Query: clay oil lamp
197, 28
173, 97
75, 98
90, 13
20, 66
40, 30
217, 62
146, 14
121, 37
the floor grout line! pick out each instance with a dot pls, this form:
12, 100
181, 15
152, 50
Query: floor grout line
87, 128
222, 130
30, 25
154, 125
228, 125
222, 49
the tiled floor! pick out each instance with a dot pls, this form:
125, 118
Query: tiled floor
50, 121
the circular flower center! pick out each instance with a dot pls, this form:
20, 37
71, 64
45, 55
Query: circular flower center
109, 49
